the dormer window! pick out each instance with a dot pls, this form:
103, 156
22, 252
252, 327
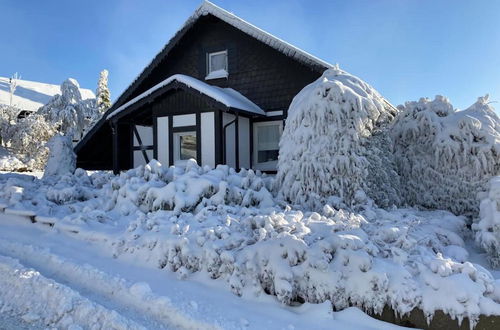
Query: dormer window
217, 65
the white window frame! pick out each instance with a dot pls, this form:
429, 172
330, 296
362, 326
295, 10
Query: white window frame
224, 73
264, 166
177, 146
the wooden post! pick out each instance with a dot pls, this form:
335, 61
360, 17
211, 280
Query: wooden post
237, 142
114, 132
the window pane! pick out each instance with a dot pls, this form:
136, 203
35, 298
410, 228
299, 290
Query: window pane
267, 156
218, 62
187, 146
268, 137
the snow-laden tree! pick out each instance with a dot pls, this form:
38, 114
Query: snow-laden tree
103, 98
323, 147
28, 137
445, 157
8, 117
62, 159
487, 225
68, 112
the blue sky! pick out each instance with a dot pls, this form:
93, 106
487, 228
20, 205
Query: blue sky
406, 49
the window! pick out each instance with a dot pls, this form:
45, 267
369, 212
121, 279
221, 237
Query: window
184, 146
217, 65
266, 144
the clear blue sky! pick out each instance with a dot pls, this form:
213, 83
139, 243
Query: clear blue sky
406, 49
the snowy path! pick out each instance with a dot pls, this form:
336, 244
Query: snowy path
55, 278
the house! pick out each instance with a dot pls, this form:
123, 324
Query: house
217, 92
31, 95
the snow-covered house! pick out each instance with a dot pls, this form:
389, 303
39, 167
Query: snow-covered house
29, 96
217, 92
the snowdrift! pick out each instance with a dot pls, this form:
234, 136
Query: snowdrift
228, 225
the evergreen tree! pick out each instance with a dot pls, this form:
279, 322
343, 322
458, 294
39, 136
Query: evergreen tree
102, 93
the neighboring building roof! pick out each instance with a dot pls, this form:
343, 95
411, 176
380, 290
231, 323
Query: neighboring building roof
31, 95
227, 96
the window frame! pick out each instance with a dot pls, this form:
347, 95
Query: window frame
217, 74
177, 146
270, 165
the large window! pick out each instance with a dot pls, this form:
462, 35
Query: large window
217, 65
184, 146
266, 144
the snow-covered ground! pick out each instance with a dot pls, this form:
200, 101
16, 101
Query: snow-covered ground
51, 278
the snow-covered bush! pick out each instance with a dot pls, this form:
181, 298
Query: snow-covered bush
445, 157
487, 225
186, 189
227, 225
8, 117
27, 139
68, 112
62, 159
322, 149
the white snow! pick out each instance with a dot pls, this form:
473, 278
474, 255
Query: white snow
31, 95
220, 224
227, 96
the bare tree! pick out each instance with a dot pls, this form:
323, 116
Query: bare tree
13, 85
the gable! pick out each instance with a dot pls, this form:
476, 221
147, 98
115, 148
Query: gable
205, 25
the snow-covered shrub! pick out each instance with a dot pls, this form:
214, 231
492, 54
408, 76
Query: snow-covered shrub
8, 118
403, 258
185, 189
27, 140
195, 219
62, 159
487, 226
68, 112
322, 149
445, 157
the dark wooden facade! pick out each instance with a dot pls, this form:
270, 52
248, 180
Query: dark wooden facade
264, 75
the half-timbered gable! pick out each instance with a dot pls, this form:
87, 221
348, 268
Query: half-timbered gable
214, 57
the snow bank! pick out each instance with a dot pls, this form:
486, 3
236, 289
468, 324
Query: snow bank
228, 225
487, 226
322, 150
445, 157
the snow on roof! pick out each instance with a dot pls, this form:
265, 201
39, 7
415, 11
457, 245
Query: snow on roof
31, 95
227, 96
